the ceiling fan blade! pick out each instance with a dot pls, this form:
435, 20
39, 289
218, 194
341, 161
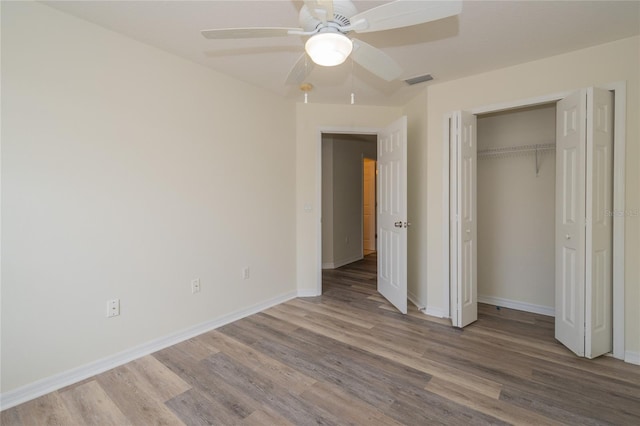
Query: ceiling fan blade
320, 9
375, 60
403, 13
256, 32
300, 70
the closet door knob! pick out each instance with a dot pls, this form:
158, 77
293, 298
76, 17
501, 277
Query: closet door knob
568, 237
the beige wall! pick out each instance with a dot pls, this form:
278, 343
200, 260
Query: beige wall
126, 172
311, 120
617, 61
516, 211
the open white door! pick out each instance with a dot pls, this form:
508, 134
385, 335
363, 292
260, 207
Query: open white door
392, 213
464, 129
584, 234
599, 238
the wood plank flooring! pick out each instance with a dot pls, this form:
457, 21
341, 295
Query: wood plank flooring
348, 357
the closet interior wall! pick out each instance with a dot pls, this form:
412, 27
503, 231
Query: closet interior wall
516, 208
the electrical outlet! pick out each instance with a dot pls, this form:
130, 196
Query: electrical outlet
245, 273
113, 308
195, 286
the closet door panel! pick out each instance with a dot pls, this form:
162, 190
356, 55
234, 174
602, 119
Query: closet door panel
570, 221
599, 238
467, 225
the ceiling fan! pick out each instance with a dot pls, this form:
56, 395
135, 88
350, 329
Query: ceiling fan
328, 23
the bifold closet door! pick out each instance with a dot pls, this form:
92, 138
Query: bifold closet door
465, 137
584, 159
599, 240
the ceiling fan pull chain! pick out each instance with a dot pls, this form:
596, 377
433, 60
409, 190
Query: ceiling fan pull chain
306, 88
353, 83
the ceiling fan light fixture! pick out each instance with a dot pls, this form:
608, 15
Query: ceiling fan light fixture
329, 49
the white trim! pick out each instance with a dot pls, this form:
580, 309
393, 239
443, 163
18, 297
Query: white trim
435, 312
632, 357
619, 149
431, 311
620, 92
308, 293
319, 209
504, 106
336, 130
414, 299
549, 311
340, 263
446, 212
66, 378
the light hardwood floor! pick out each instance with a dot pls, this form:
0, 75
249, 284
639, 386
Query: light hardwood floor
348, 357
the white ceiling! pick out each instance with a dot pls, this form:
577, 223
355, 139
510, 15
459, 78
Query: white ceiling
487, 35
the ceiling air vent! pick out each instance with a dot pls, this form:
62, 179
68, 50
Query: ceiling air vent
419, 79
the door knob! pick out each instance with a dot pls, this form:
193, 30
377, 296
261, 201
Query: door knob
397, 224
568, 237
407, 224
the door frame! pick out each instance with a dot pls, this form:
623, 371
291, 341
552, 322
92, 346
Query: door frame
337, 130
619, 143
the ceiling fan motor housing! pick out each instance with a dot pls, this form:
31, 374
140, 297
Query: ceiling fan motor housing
342, 11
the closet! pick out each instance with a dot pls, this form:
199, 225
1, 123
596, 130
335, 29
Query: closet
516, 188
503, 234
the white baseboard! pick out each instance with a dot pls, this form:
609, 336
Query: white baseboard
41, 387
520, 306
414, 299
424, 308
342, 262
435, 312
632, 357
308, 293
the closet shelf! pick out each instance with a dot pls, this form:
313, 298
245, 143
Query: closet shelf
516, 150
512, 151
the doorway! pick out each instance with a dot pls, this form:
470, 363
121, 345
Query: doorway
344, 197
348, 258
348, 214
391, 211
